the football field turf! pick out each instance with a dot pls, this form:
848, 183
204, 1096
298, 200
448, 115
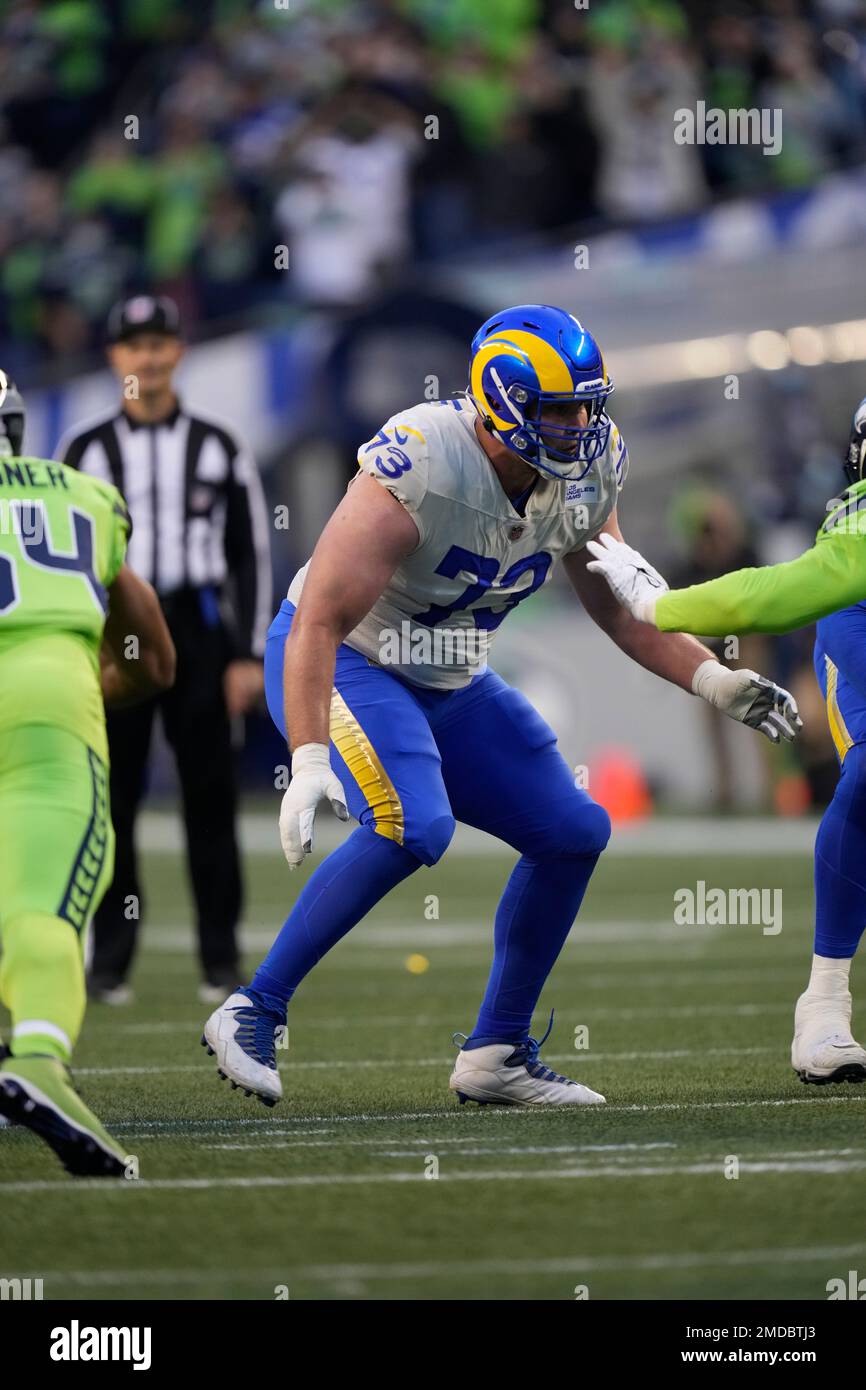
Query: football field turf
327, 1196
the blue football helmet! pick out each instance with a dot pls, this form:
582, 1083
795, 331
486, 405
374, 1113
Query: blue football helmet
529, 357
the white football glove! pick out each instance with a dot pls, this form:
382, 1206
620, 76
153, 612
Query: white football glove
633, 581
312, 781
750, 698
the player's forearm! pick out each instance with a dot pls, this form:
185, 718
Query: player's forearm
118, 690
730, 604
776, 598
133, 681
138, 657
672, 655
308, 679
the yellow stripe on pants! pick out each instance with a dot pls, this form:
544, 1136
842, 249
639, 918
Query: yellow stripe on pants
360, 757
841, 736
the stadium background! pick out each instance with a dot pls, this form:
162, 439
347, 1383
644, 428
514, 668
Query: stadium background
420, 166
260, 127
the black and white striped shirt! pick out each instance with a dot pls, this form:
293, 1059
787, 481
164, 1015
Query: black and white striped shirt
197, 507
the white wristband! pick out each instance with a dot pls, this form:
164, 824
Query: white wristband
712, 682
311, 755
646, 610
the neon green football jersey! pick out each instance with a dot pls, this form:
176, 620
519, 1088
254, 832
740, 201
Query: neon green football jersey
779, 598
63, 540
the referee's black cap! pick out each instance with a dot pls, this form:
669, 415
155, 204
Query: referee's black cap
144, 313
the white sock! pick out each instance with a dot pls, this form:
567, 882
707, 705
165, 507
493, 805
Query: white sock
829, 976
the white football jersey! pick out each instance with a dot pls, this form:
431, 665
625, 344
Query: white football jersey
477, 557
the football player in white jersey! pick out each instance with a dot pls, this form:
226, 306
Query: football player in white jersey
376, 673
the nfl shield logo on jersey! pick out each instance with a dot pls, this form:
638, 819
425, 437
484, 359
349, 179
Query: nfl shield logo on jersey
515, 532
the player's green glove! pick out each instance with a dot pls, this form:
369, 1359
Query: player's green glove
749, 698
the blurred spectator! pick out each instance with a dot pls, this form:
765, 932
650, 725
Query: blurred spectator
233, 254
190, 167
345, 212
634, 88
814, 115
736, 64
116, 184
714, 533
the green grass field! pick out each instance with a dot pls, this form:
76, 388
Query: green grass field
688, 1029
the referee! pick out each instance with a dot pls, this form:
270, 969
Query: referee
200, 537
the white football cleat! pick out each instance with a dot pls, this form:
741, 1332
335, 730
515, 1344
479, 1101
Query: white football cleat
505, 1074
823, 1049
242, 1037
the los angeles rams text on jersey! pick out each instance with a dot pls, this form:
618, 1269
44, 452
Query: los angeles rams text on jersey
477, 557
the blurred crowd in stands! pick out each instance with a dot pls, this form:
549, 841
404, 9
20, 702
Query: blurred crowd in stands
153, 144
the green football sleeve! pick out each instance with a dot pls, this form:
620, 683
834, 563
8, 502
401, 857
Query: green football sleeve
775, 598
121, 532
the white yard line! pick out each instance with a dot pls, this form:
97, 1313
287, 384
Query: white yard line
630, 972
715, 1169
576, 1264
567, 1264
666, 836
492, 1115
176, 938
579, 1059
446, 1142
429, 1021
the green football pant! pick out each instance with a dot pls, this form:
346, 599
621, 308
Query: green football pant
56, 861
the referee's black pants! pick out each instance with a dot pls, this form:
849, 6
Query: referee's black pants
197, 728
